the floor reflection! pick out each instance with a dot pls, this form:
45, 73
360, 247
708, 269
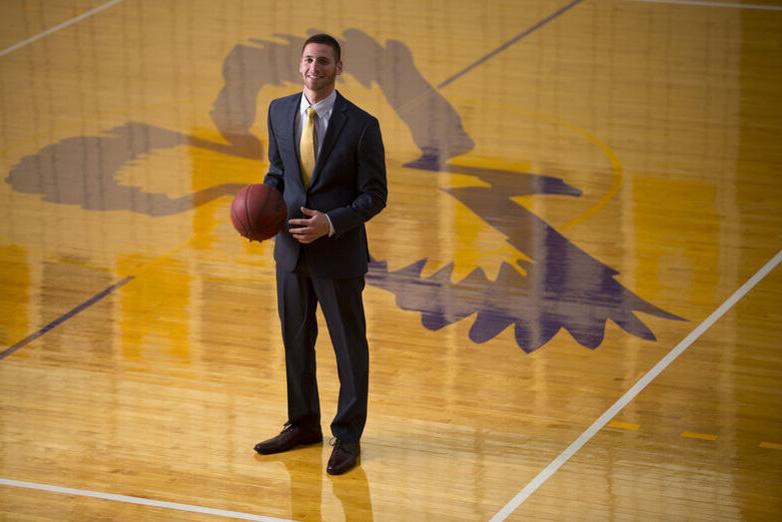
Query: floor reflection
306, 473
352, 490
306, 487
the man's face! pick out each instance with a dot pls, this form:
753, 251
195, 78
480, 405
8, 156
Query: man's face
319, 68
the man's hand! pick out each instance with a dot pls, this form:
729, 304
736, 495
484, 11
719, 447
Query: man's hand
308, 230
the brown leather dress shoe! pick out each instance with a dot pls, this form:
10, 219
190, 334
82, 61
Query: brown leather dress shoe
290, 437
344, 457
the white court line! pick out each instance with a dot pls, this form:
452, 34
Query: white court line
590, 432
138, 500
704, 3
56, 28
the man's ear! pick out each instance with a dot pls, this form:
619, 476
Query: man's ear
339, 67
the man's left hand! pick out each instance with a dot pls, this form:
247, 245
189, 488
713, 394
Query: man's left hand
307, 230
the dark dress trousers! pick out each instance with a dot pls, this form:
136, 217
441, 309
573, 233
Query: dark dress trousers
348, 183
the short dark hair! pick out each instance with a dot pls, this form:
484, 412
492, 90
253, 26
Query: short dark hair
324, 39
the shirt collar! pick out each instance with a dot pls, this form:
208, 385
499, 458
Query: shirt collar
322, 107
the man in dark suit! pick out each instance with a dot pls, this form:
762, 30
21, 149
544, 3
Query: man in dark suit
326, 157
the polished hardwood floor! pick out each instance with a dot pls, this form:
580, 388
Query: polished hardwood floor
575, 188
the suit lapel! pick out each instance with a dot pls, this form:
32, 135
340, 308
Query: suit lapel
336, 123
289, 129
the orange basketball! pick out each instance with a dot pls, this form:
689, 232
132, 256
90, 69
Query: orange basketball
258, 212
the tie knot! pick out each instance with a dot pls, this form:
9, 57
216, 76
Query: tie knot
311, 112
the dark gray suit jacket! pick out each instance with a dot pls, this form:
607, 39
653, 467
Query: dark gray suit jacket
348, 184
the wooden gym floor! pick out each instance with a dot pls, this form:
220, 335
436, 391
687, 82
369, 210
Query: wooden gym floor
574, 308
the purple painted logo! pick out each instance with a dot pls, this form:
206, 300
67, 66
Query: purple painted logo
564, 287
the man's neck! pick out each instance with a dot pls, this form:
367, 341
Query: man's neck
315, 97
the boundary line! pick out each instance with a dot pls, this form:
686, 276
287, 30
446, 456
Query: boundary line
510, 42
137, 500
704, 3
630, 394
57, 322
63, 25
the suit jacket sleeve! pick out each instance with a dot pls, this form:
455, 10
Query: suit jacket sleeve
370, 180
276, 174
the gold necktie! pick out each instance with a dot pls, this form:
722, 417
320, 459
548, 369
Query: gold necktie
307, 146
